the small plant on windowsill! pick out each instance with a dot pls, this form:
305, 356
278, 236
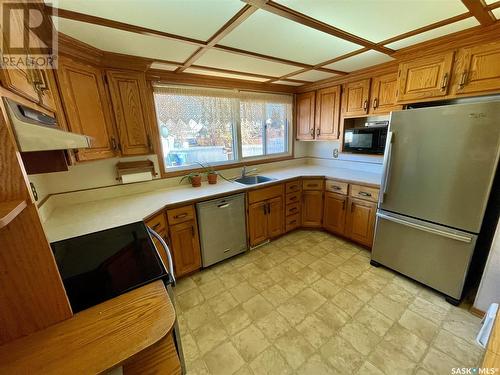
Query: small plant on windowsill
210, 172
194, 178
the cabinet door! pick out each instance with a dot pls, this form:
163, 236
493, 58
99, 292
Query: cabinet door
334, 212
312, 208
384, 94
185, 247
356, 95
257, 222
477, 70
424, 78
305, 115
361, 221
128, 96
87, 108
327, 113
275, 217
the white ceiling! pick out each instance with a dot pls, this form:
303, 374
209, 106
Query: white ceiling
262, 32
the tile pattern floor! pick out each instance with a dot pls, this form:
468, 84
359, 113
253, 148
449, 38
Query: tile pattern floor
310, 303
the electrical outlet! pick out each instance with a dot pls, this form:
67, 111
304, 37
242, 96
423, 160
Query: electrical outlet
335, 153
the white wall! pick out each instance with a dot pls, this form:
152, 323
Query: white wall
325, 149
489, 289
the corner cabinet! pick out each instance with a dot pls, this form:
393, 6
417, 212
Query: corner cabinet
425, 78
305, 107
312, 203
477, 70
355, 98
84, 96
133, 122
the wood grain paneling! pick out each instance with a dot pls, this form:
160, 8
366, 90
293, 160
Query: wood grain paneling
360, 221
334, 212
185, 247
327, 113
257, 223
312, 208
355, 98
304, 109
383, 95
275, 217
133, 120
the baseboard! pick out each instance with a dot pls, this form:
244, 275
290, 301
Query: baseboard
477, 312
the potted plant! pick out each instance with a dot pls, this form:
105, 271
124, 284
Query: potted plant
194, 178
210, 172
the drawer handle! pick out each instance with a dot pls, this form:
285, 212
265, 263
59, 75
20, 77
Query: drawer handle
157, 225
293, 198
336, 187
180, 216
293, 222
365, 194
445, 82
293, 209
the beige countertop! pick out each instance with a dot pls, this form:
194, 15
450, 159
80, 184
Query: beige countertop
87, 217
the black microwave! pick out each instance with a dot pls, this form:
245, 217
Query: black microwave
367, 140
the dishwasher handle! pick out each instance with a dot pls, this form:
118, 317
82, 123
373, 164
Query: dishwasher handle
223, 205
167, 251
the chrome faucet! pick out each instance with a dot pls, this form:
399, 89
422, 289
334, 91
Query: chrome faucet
244, 171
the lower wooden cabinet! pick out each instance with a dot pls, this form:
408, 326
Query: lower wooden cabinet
334, 212
185, 246
360, 220
312, 208
265, 220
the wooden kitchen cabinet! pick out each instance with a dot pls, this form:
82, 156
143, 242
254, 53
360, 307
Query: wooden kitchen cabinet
185, 246
383, 95
312, 208
360, 220
87, 108
265, 214
424, 78
477, 70
275, 217
305, 107
133, 122
158, 223
327, 113
355, 98
257, 223
334, 213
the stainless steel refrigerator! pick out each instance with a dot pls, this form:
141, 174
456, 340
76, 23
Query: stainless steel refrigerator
439, 167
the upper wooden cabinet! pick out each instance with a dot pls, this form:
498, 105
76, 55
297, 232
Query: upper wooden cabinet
87, 108
133, 122
477, 70
327, 113
383, 95
424, 78
355, 98
304, 107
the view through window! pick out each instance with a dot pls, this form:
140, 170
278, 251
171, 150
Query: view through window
199, 125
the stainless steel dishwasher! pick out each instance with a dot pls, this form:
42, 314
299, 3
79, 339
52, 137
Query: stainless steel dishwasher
222, 227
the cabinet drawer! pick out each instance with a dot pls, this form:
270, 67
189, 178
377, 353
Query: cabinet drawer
292, 209
336, 187
265, 193
312, 184
293, 187
158, 223
364, 192
292, 222
180, 215
292, 198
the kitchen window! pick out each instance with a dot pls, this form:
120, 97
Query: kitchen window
217, 127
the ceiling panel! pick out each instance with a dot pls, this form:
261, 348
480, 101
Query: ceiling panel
313, 75
118, 41
231, 61
266, 33
197, 19
377, 20
491, 1
496, 13
435, 33
225, 75
288, 83
363, 60
163, 66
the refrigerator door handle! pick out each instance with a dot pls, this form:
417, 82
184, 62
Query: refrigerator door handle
424, 228
387, 165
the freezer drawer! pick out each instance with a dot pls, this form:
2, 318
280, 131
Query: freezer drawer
222, 227
431, 254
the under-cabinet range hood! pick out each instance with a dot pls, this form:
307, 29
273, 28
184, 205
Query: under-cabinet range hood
36, 131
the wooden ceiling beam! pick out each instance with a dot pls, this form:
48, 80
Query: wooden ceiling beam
293, 15
87, 18
494, 5
479, 10
229, 26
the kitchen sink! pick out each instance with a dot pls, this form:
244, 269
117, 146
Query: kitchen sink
252, 180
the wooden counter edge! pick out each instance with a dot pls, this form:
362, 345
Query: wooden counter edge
96, 339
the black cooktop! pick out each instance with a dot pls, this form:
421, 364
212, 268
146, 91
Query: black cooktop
98, 266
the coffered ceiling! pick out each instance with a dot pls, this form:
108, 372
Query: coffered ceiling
291, 42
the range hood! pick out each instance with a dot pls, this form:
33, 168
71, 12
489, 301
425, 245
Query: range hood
35, 131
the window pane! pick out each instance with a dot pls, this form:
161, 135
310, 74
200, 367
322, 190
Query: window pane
277, 128
252, 119
195, 128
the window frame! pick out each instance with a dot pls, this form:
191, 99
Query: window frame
239, 160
